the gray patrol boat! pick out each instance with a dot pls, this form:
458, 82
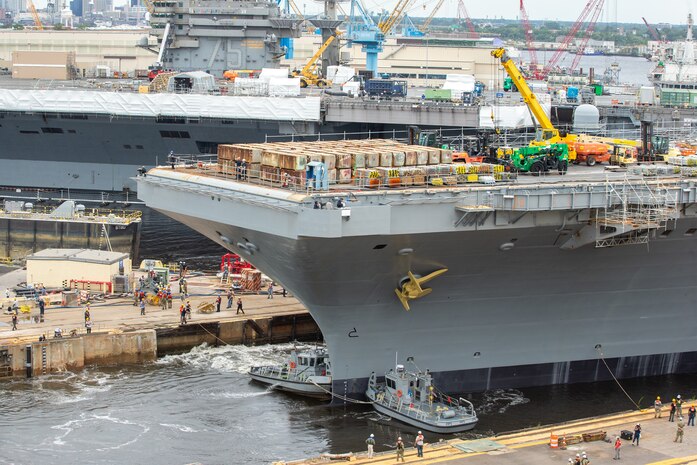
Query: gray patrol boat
411, 397
556, 279
307, 373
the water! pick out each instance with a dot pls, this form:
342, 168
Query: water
634, 70
201, 407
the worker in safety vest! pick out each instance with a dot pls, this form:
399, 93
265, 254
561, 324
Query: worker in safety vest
657, 407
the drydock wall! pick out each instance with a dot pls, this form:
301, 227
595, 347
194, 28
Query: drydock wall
74, 353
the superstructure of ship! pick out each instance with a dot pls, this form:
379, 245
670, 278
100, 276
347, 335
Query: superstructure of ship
675, 75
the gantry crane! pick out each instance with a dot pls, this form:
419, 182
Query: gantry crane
547, 133
309, 75
37, 21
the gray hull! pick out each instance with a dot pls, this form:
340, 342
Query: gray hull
422, 425
99, 152
297, 387
532, 315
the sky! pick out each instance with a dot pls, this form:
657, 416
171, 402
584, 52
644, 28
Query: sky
626, 11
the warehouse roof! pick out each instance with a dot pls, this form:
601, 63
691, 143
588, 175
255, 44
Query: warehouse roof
79, 255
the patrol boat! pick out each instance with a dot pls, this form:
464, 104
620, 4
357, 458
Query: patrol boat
411, 398
307, 373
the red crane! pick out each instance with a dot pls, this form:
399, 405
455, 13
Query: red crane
569, 37
528, 37
462, 15
653, 32
589, 32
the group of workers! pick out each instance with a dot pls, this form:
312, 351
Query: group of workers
419, 442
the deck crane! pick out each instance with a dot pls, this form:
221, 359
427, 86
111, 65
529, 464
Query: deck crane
34, 14
569, 37
589, 31
528, 39
464, 17
363, 30
309, 75
547, 133
427, 21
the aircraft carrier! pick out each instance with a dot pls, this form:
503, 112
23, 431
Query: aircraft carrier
559, 279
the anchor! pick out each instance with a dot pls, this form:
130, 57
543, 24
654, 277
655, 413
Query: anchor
411, 288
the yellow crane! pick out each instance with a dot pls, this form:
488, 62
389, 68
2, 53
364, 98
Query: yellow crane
427, 22
547, 134
309, 75
388, 23
35, 15
149, 6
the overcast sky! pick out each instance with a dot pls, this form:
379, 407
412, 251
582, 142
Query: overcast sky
627, 11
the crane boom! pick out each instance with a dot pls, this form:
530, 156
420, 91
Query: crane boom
310, 66
463, 15
427, 22
528, 36
548, 134
399, 9
34, 14
587, 36
569, 37
528, 96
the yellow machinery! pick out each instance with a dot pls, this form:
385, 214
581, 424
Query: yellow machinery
35, 15
388, 23
309, 75
547, 134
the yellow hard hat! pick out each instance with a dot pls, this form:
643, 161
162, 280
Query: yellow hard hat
658, 398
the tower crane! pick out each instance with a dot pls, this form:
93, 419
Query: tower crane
427, 21
35, 15
464, 16
569, 37
528, 38
589, 31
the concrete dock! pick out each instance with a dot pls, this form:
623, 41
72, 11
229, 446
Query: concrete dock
532, 446
121, 335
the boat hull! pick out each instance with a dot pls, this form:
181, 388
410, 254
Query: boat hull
421, 425
530, 313
320, 391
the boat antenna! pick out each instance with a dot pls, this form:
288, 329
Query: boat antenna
395, 360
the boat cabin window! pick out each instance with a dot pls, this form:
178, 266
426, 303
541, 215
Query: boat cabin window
312, 362
390, 383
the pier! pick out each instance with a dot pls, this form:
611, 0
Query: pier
120, 335
532, 446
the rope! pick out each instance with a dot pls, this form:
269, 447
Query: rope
600, 354
204, 328
344, 398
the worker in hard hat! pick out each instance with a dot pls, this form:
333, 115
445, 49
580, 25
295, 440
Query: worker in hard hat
371, 443
400, 449
673, 408
657, 407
